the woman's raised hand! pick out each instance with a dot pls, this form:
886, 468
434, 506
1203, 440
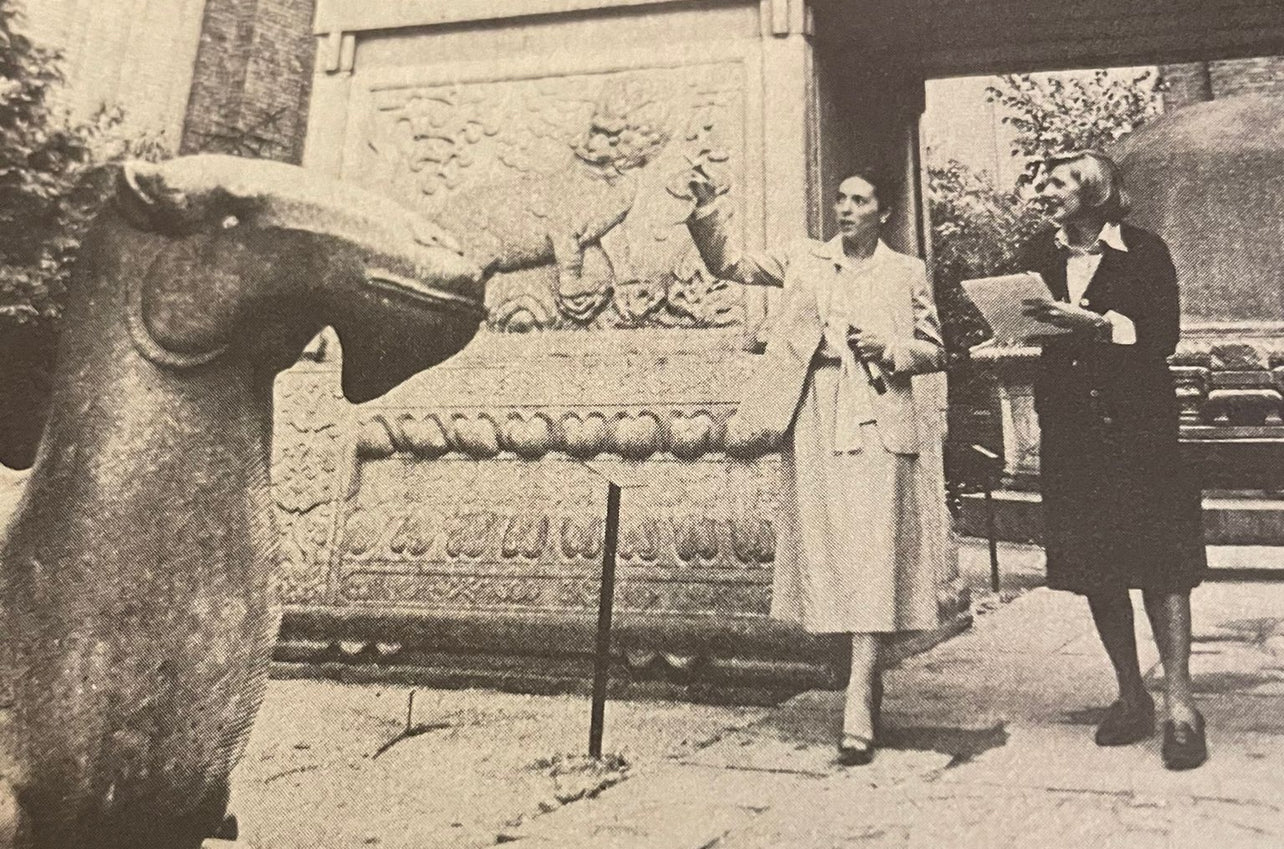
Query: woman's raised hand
704, 189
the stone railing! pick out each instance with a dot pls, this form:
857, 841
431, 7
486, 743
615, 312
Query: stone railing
1231, 394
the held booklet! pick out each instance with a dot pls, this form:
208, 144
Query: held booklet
1001, 302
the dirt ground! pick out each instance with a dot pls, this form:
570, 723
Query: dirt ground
330, 765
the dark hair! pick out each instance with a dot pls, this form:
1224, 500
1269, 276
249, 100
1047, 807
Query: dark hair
1099, 179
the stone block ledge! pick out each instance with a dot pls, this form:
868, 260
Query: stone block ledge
685, 433
1227, 381
539, 651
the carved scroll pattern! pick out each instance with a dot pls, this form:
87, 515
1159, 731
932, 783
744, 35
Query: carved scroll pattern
513, 531
633, 433
527, 162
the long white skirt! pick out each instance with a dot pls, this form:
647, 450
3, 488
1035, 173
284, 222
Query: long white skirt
859, 549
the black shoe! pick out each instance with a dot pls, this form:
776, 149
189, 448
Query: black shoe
855, 751
1184, 744
1125, 724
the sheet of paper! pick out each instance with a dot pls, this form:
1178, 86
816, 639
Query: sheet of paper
1000, 300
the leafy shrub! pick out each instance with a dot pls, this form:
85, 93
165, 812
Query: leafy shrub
976, 231
46, 198
1054, 113
977, 227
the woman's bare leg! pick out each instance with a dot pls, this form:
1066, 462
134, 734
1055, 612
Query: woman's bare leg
857, 716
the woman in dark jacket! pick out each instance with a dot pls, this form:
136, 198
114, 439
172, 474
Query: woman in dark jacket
1120, 511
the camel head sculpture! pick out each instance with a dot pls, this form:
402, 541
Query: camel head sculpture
395, 286
136, 596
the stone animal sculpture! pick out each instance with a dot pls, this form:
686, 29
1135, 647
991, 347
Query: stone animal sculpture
136, 578
544, 218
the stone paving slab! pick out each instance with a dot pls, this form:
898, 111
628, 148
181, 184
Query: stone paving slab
674, 808
757, 750
1241, 767
930, 817
988, 744
906, 800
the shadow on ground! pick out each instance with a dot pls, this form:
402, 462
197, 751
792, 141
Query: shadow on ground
1084, 716
960, 744
1226, 683
817, 722
1254, 631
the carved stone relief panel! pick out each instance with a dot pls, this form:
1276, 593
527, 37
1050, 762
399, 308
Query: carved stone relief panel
466, 489
511, 532
573, 186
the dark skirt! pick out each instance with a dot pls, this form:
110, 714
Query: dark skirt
1120, 509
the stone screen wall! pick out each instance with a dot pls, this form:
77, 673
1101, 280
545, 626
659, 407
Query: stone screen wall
557, 145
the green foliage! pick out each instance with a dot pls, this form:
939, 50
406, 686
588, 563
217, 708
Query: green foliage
1057, 114
45, 197
976, 230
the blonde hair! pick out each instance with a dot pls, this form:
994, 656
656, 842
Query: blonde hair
1099, 179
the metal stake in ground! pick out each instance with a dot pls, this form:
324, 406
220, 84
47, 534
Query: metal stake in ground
993, 465
606, 600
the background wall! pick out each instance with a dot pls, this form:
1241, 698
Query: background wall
138, 55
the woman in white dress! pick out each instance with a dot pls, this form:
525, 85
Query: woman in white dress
862, 549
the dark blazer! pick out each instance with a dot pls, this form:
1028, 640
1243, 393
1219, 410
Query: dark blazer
1101, 379
1120, 508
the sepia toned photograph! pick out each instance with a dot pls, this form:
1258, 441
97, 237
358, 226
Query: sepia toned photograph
644, 424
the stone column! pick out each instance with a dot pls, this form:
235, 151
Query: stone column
789, 97
1187, 83
253, 70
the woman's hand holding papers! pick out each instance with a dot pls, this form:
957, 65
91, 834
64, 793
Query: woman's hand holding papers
1065, 316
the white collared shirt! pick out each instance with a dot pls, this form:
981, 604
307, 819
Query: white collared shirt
847, 302
1080, 268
